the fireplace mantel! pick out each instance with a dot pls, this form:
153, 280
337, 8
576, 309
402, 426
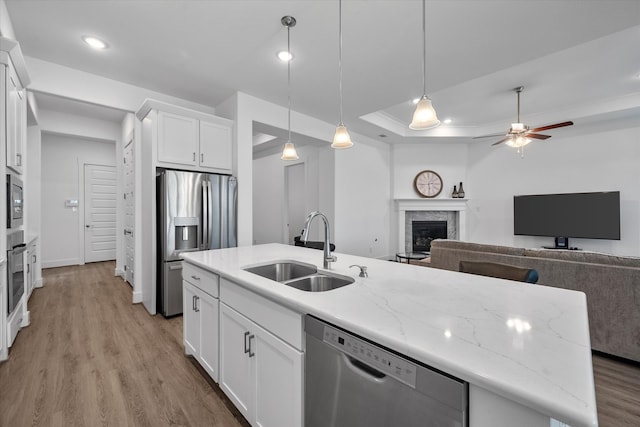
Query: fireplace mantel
440, 204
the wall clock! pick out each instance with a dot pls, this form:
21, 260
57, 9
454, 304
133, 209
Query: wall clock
428, 183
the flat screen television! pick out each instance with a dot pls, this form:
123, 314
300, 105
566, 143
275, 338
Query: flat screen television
581, 215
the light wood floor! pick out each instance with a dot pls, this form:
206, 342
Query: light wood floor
91, 358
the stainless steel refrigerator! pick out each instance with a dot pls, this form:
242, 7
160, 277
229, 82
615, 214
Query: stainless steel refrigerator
196, 211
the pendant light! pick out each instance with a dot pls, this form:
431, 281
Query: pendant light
425, 115
289, 151
341, 139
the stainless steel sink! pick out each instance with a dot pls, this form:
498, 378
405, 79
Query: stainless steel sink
283, 271
319, 282
304, 277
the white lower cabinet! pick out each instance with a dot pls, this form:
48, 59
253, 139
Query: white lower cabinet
200, 322
260, 373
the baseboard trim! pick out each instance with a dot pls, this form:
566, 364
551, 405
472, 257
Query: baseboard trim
61, 263
137, 297
38, 283
26, 320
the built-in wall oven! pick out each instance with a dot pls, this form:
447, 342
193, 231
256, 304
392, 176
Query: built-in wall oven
15, 268
15, 201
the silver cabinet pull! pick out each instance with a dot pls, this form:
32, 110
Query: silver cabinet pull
251, 354
197, 304
247, 349
194, 156
201, 157
195, 277
193, 303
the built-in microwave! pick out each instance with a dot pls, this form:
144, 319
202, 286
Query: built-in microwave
15, 201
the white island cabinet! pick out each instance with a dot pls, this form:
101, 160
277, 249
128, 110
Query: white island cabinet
200, 318
524, 350
260, 372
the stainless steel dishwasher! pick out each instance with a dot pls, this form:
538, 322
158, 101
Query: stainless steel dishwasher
351, 382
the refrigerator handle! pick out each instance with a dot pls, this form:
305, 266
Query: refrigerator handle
205, 216
209, 217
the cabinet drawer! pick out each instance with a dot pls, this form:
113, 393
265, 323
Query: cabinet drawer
284, 323
201, 278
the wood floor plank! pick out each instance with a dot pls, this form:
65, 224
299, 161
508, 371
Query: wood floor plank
91, 358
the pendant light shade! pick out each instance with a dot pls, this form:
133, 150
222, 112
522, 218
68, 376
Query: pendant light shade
289, 150
425, 116
341, 138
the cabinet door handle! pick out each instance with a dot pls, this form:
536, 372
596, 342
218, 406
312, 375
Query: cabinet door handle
193, 303
194, 156
197, 304
247, 349
195, 277
251, 354
201, 157
18, 159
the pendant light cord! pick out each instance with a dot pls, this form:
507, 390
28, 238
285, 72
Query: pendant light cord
424, 48
340, 55
289, 77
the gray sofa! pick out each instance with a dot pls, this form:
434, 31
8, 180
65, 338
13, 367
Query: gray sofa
611, 284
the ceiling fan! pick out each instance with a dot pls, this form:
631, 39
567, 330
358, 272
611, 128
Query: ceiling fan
520, 134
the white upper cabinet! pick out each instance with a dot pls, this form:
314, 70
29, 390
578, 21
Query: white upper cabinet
215, 146
177, 139
16, 121
189, 139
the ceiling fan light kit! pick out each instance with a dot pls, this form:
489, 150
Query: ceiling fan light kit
520, 134
425, 116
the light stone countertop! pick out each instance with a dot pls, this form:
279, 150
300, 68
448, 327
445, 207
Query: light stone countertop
527, 343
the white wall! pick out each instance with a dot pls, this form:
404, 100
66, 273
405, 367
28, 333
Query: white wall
598, 157
269, 206
62, 165
367, 157
363, 202
33, 191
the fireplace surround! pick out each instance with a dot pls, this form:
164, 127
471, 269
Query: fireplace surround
453, 211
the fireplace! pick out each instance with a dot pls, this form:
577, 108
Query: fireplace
423, 232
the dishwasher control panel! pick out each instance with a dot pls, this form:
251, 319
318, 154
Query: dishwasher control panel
372, 355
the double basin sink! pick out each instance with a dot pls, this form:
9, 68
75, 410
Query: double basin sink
304, 277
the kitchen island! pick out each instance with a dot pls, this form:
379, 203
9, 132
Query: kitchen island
523, 349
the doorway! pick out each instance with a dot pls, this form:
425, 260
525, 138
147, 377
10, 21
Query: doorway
99, 213
294, 200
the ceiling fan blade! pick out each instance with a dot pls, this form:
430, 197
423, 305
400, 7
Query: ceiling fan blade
487, 136
557, 125
537, 136
501, 141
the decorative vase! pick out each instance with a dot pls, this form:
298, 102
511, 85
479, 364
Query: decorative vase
455, 193
461, 192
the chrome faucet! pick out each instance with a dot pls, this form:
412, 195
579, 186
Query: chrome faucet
327, 233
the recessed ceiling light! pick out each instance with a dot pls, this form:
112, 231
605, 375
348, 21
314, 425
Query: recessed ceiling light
447, 121
95, 42
284, 56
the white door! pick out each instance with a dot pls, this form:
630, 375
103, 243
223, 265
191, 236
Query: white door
99, 213
129, 211
208, 309
215, 146
295, 200
235, 362
177, 139
278, 382
191, 319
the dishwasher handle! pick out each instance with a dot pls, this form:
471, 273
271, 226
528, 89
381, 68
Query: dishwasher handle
364, 369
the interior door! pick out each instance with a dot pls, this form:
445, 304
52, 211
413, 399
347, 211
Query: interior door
129, 211
99, 213
295, 200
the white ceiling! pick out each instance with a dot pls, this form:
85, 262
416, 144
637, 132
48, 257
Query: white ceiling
578, 60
